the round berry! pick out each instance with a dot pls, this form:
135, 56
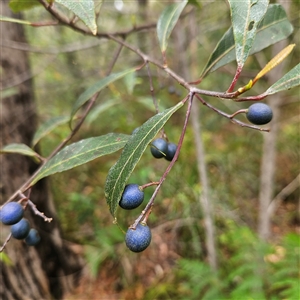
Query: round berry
259, 114
11, 213
139, 239
132, 196
33, 237
20, 230
171, 151
159, 147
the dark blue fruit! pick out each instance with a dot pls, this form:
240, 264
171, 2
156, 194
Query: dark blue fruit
171, 151
20, 230
159, 147
11, 213
259, 114
139, 239
33, 237
132, 196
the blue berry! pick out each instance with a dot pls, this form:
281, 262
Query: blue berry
20, 230
139, 239
11, 213
171, 151
132, 196
159, 147
33, 237
259, 114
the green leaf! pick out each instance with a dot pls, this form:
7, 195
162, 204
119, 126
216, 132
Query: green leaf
120, 172
84, 10
97, 87
19, 5
9, 91
273, 28
13, 20
47, 127
288, 81
82, 152
131, 80
245, 17
167, 22
19, 149
102, 107
223, 53
195, 3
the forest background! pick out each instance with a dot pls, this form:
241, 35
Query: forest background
177, 265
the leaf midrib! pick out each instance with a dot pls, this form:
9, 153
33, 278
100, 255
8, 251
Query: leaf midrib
75, 156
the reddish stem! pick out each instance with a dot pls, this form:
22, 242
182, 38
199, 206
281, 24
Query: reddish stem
235, 79
149, 184
241, 111
41, 24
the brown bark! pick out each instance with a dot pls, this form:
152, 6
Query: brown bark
268, 161
51, 268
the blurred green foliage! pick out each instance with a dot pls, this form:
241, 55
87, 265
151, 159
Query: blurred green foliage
247, 269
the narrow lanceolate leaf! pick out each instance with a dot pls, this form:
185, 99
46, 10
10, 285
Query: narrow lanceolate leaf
274, 62
119, 173
82, 152
47, 127
245, 17
288, 81
84, 10
19, 149
97, 87
273, 28
13, 20
167, 22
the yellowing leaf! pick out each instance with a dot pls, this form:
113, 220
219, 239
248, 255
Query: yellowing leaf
274, 62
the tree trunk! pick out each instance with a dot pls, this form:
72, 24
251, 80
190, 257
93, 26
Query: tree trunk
204, 199
268, 161
51, 268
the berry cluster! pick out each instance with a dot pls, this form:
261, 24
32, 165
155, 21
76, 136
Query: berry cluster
139, 238
161, 148
12, 214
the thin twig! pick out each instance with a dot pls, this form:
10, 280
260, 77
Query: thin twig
26, 185
152, 88
286, 191
149, 184
69, 48
235, 121
149, 205
222, 95
5, 242
37, 212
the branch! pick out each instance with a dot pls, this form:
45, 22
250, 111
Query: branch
64, 49
63, 20
285, 192
230, 117
145, 213
91, 102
